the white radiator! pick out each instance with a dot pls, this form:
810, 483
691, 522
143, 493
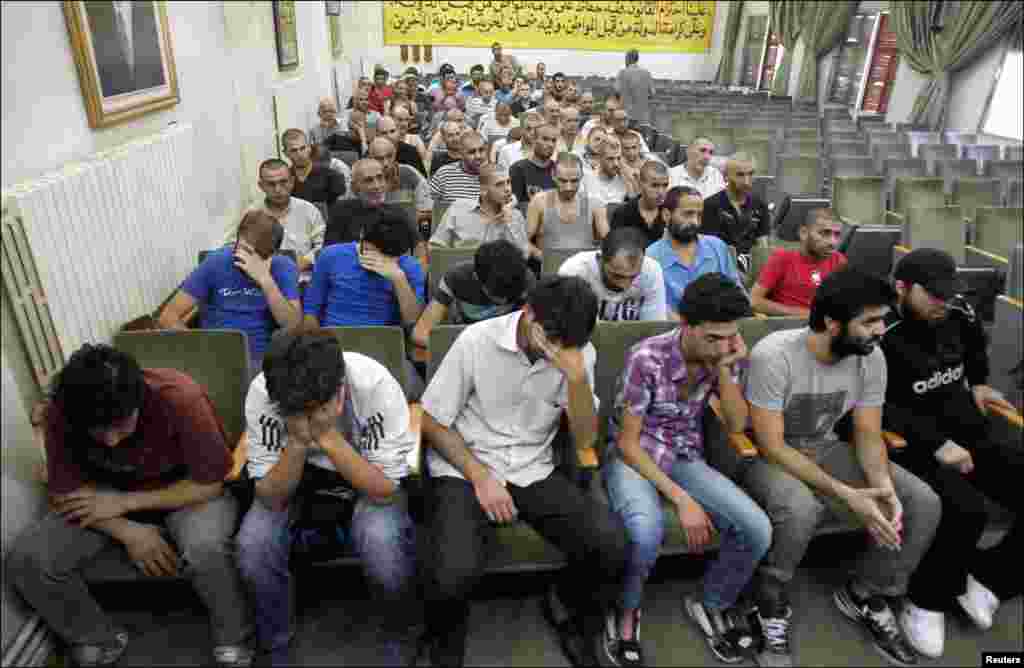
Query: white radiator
98, 243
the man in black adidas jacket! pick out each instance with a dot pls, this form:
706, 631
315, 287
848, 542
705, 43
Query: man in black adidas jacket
936, 393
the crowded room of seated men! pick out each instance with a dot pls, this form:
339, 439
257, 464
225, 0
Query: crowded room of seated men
519, 334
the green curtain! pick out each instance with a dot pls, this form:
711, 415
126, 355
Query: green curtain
970, 28
825, 31
732, 31
787, 21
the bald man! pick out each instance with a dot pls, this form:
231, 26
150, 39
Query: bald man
329, 124
406, 154
698, 172
736, 215
244, 286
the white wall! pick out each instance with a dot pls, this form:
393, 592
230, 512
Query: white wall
971, 88
366, 49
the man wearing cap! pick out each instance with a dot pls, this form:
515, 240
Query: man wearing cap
937, 398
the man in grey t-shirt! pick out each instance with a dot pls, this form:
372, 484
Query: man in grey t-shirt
801, 382
635, 85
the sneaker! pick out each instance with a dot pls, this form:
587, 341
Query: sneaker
728, 636
773, 625
925, 630
570, 629
232, 655
100, 655
979, 603
622, 652
875, 616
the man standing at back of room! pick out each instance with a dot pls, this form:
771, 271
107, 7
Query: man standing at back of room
635, 85
787, 283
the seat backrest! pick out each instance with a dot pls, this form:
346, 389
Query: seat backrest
554, 257
919, 137
983, 284
833, 137
981, 152
217, 359
859, 199
937, 227
801, 147
443, 259
787, 229
950, 170
885, 136
974, 192
1013, 153
764, 188
1006, 349
754, 329
858, 147
796, 133
997, 229
881, 151
441, 339
851, 165
932, 153
800, 175
869, 248
761, 150
383, 344
912, 193
1005, 171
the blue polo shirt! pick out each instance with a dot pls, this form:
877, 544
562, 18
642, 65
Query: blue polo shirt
231, 300
342, 293
712, 255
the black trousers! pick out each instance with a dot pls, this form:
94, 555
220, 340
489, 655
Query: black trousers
592, 537
998, 470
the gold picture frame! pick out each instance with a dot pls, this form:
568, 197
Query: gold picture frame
124, 58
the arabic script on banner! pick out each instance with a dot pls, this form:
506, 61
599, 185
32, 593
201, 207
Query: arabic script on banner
571, 24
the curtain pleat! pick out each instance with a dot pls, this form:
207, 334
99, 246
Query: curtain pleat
732, 32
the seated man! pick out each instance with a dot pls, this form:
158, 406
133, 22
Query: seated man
405, 154
633, 159
380, 93
404, 117
461, 180
135, 460
800, 383
245, 286
646, 212
494, 283
372, 281
355, 140
497, 125
440, 141
471, 87
606, 183
329, 428
493, 216
403, 184
736, 215
490, 415
515, 135
481, 104
302, 221
932, 344
514, 152
569, 130
520, 100
533, 174
565, 217
788, 280
327, 111
314, 179
696, 172
590, 151
684, 254
436, 159
657, 451
628, 285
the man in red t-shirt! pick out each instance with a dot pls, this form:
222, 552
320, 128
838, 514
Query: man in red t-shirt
789, 279
381, 92
135, 459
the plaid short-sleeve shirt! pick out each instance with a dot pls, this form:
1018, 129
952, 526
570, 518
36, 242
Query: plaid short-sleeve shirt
652, 386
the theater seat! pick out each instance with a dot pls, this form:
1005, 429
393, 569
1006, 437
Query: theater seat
443, 259
383, 344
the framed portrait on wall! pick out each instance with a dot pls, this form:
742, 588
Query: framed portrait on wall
123, 54
286, 34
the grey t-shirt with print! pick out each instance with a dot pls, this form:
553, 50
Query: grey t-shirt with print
785, 376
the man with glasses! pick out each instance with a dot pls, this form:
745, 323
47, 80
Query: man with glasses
628, 285
697, 171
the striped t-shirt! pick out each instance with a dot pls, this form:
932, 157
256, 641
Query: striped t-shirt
452, 182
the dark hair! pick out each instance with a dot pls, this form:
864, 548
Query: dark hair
390, 231
566, 308
500, 266
476, 68
303, 370
628, 240
557, 75
675, 195
713, 297
815, 215
263, 231
98, 386
272, 163
632, 56
845, 293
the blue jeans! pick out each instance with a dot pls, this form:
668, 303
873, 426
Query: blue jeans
744, 531
383, 536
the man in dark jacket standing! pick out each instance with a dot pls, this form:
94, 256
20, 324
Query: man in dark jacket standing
934, 344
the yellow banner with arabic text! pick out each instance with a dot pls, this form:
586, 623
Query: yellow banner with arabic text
660, 25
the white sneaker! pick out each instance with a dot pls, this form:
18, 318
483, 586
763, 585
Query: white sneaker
925, 629
979, 603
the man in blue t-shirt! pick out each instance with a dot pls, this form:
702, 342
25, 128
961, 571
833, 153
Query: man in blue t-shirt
244, 286
373, 281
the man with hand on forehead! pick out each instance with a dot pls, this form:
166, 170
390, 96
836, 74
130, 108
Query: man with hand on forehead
491, 414
697, 172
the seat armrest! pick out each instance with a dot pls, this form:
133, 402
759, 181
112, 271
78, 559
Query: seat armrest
239, 457
893, 441
1011, 416
587, 458
991, 258
738, 441
416, 429
893, 218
